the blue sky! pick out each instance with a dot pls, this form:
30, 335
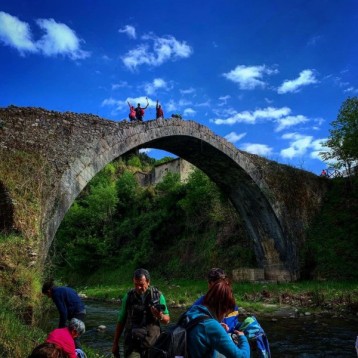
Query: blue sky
269, 76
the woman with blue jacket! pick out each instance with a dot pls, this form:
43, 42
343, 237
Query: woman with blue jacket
208, 336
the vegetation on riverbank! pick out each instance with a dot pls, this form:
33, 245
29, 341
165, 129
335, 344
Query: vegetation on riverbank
265, 297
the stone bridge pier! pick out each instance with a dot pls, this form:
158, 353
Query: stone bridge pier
276, 202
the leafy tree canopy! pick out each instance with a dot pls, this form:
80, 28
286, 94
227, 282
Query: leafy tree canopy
343, 139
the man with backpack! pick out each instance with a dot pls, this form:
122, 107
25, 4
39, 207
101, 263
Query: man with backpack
143, 310
139, 111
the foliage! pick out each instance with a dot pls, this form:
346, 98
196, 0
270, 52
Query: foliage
116, 222
342, 142
331, 249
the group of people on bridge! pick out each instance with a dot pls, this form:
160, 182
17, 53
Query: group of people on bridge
216, 332
137, 113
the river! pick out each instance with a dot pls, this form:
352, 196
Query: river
303, 337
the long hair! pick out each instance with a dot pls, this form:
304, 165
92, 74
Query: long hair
220, 299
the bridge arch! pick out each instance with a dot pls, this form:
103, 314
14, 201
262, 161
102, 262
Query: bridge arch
231, 169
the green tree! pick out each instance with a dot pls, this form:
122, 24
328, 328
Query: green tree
343, 139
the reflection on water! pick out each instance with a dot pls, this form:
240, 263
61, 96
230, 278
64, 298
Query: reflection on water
301, 337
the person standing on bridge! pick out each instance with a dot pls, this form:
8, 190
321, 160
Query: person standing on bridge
159, 114
131, 112
139, 111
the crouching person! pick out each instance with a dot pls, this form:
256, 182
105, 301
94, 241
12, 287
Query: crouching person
208, 336
64, 337
143, 310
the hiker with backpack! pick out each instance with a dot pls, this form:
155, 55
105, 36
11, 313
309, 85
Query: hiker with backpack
208, 337
250, 326
159, 114
139, 111
143, 310
132, 114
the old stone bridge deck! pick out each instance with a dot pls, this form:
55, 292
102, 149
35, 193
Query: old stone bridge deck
276, 202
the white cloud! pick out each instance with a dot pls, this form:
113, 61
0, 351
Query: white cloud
151, 88
289, 121
259, 149
305, 78
251, 117
300, 144
121, 84
129, 31
223, 100
233, 137
189, 112
58, 39
163, 49
249, 77
16, 34
187, 91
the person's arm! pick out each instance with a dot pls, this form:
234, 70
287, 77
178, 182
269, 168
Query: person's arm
122, 317
147, 103
222, 342
129, 105
157, 106
164, 316
117, 335
61, 307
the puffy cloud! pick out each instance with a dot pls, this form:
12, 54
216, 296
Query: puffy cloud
189, 112
305, 78
234, 137
16, 33
290, 121
162, 50
129, 31
259, 149
300, 144
151, 88
58, 39
251, 117
249, 77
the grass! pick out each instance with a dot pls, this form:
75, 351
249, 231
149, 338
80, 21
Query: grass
257, 297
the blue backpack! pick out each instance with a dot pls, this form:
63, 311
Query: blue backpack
256, 336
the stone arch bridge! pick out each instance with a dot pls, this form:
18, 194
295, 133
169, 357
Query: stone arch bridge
276, 202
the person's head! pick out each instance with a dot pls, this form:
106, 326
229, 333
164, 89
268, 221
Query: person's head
141, 280
47, 288
220, 299
216, 274
47, 350
76, 327
138, 105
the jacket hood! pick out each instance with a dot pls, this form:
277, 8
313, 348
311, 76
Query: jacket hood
198, 310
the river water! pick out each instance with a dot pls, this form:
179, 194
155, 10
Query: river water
302, 337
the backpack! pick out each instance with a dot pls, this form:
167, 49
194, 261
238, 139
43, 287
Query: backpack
80, 353
173, 342
256, 336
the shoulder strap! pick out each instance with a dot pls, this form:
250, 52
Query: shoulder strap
155, 293
189, 325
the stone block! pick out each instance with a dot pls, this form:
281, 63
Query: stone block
248, 274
